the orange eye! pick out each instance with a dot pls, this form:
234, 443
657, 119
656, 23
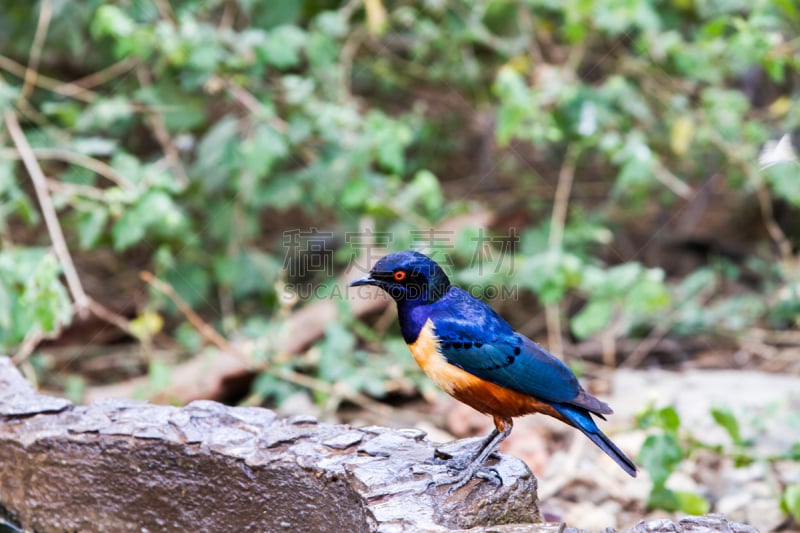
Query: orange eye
400, 275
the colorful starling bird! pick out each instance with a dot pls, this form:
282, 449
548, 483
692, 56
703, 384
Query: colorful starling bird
474, 355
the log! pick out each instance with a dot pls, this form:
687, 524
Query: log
122, 465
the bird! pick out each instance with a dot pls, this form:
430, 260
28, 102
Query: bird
474, 355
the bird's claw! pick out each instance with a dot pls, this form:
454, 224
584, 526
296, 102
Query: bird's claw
459, 476
461, 470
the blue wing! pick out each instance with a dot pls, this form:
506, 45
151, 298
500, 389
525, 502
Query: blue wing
515, 363
476, 339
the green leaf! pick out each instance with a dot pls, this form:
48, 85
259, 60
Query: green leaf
268, 386
6, 305
159, 375
336, 350
188, 337
155, 211
660, 455
255, 272
262, 150
636, 162
8, 94
790, 502
794, 452
426, 187
105, 113
182, 111
281, 47
691, 503
218, 153
725, 418
45, 298
273, 13
550, 274
94, 146
90, 226
687, 502
666, 418
297, 89
594, 316
75, 388
742, 459
190, 280
669, 419
662, 498
112, 20
647, 295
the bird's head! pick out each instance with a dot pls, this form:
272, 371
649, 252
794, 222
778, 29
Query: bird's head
408, 277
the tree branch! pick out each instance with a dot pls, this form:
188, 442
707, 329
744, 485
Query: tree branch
49, 213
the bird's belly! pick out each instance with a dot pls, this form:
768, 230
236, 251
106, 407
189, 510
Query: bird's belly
478, 393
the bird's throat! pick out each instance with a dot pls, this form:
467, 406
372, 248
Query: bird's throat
412, 316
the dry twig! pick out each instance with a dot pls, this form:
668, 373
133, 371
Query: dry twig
101, 76
202, 327
32, 72
90, 163
159, 125
83, 303
49, 212
69, 90
557, 222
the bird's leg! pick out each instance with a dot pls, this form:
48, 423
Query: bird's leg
474, 466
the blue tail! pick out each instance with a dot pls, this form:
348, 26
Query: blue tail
581, 419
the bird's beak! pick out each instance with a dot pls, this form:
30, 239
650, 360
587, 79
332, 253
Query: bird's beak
366, 280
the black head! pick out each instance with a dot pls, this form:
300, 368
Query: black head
408, 276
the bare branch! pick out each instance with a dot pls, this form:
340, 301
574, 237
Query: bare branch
68, 90
557, 222
90, 163
101, 76
156, 120
82, 302
204, 328
32, 72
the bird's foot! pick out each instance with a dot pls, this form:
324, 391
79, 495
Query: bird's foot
458, 477
462, 471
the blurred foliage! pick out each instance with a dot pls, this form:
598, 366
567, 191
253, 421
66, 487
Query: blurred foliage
199, 131
671, 443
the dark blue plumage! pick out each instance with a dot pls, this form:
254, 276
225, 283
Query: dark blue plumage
475, 355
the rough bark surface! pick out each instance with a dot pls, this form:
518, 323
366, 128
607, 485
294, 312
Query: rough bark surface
120, 465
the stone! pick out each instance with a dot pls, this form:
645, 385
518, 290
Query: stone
692, 524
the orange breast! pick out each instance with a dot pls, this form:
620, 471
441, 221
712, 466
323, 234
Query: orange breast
478, 393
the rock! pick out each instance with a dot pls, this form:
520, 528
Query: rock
591, 517
765, 514
692, 524
119, 465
